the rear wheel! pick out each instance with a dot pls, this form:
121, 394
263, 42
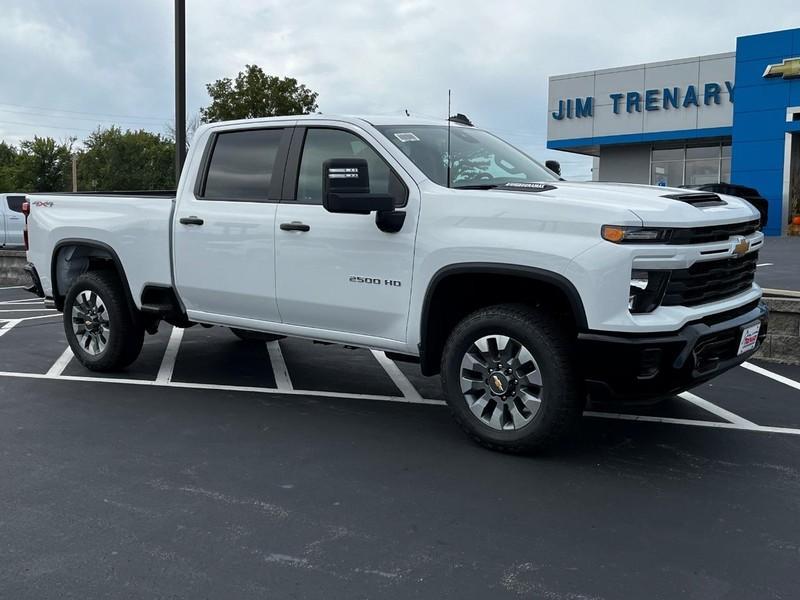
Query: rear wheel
510, 377
255, 336
102, 330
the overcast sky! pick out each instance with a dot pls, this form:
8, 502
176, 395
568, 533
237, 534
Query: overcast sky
111, 61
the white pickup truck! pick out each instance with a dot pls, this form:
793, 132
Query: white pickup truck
435, 242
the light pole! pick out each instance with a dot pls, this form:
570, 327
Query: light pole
180, 87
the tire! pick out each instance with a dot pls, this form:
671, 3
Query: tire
255, 336
504, 408
114, 339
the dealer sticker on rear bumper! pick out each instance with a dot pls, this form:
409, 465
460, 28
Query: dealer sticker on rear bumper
749, 338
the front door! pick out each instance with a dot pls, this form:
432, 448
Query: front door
343, 273
224, 228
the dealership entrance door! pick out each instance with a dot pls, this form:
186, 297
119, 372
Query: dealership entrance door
791, 201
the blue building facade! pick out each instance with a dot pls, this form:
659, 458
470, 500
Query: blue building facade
766, 121
732, 117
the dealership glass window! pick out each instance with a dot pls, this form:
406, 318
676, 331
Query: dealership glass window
690, 164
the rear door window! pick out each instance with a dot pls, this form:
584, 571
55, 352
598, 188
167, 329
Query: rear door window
241, 165
14, 203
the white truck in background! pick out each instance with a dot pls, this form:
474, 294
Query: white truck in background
436, 242
12, 221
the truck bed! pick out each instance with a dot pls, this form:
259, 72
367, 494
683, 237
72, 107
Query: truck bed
135, 225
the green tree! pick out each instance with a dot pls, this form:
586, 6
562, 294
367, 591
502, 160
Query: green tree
43, 165
255, 94
8, 166
130, 160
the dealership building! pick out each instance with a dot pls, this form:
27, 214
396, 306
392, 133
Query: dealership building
732, 117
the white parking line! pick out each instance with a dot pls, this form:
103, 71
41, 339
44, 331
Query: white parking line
23, 301
764, 264
690, 422
16, 310
61, 364
401, 381
8, 326
13, 287
282, 379
714, 409
170, 354
779, 378
317, 393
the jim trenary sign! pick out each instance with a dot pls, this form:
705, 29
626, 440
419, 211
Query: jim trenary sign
667, 98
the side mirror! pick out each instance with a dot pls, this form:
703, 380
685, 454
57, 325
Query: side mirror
554, 166
345, 188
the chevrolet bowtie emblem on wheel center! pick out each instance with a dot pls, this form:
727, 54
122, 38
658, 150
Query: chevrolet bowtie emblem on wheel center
789, 68
742, 247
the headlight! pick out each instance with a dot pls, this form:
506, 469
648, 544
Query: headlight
646, 290
635, 235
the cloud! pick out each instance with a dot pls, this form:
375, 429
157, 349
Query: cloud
115, 58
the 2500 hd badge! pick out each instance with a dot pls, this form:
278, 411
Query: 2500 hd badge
375, 281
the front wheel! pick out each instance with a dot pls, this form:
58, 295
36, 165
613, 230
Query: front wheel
102, 330
511, 379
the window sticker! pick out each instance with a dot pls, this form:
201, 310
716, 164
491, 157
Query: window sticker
406, 137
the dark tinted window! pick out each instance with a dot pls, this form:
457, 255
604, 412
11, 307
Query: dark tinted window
324, 144
15, 203
241, 165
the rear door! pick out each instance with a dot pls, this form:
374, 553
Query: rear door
224, 227
341, 272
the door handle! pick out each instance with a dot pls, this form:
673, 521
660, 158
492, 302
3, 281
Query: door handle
295, 226
191, 220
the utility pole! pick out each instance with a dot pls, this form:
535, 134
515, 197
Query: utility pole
180, 87
74, 172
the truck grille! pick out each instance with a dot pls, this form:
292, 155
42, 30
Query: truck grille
710, 281
714, 233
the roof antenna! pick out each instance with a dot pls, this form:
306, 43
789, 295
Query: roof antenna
449, 160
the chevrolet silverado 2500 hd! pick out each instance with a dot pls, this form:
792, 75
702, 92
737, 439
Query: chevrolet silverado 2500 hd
442, 245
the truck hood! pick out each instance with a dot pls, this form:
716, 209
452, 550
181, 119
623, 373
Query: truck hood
686, 208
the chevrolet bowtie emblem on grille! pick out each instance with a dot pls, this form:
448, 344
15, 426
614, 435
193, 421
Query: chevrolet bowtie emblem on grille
788, 69
741, 248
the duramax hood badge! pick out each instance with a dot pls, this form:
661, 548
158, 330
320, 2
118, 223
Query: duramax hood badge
523, 186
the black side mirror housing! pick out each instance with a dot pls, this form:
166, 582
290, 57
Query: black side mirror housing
554, 166
345, 188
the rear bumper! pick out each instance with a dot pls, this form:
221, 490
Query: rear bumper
631, 367
35, 284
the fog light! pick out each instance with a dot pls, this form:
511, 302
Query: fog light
646, 290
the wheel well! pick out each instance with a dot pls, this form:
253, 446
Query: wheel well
72, 259
452, 296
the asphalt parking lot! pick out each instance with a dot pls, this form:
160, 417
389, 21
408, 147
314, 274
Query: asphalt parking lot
215, 468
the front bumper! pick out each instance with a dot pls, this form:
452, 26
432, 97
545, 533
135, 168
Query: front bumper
632, 367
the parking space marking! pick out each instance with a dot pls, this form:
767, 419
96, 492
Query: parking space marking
37, 317
427, 401
279, 370
397, 377
13, 287
8, 326
691, 422
171, 353
714, 409
61, 364
774, 376
16, 310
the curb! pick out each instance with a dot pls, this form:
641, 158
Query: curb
12, 263
782, 343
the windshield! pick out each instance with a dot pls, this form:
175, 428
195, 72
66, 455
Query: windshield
479, 159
